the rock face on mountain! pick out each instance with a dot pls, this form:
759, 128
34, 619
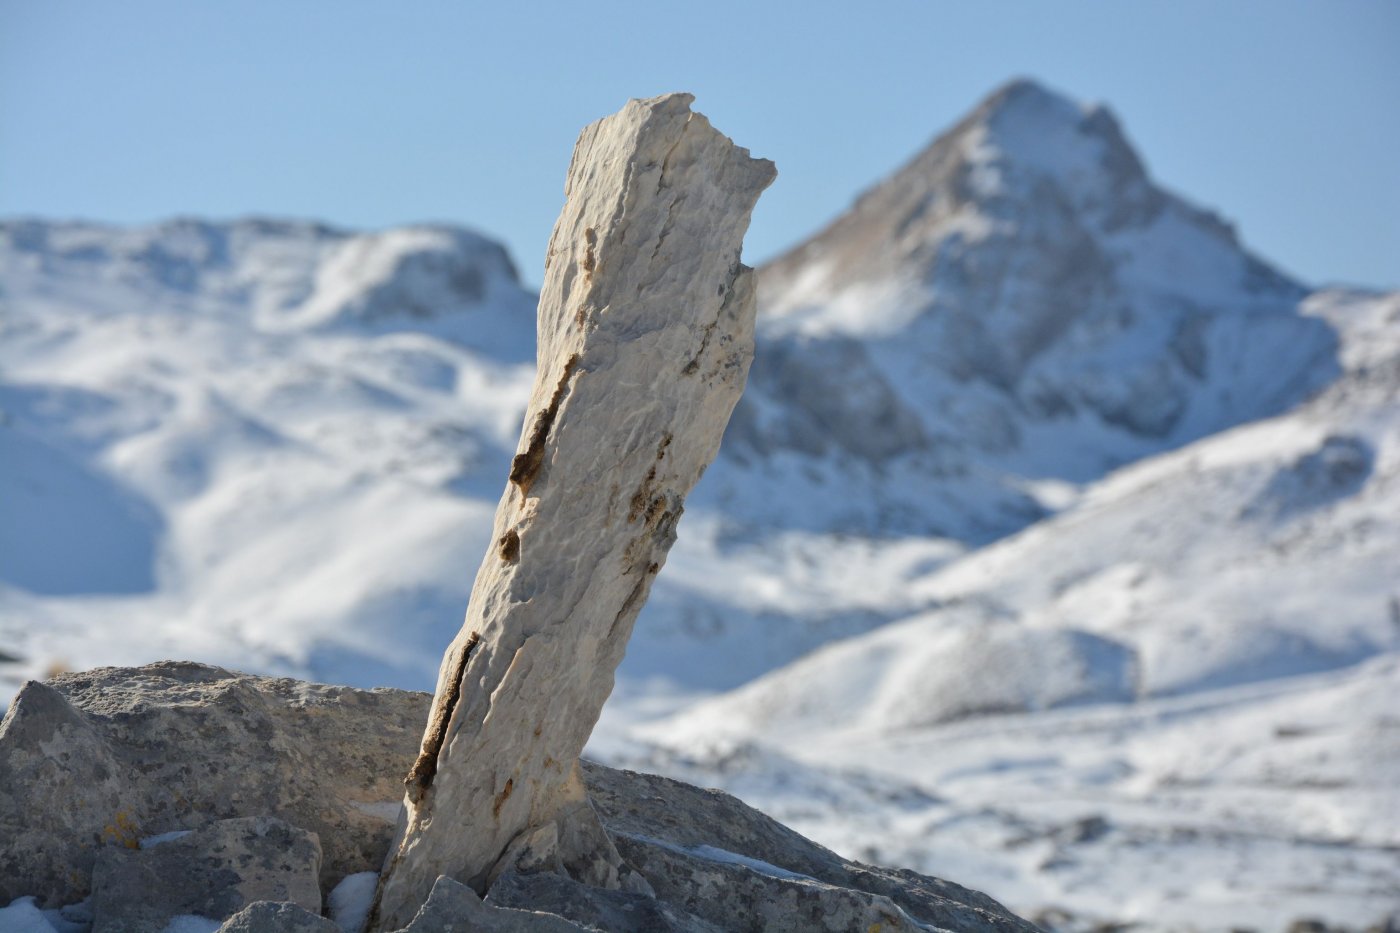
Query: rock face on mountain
147, 760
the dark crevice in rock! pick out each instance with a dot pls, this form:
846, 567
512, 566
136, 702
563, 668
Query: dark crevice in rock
526, 466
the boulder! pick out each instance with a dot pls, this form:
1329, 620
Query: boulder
277, 917
737, 893
212, 873
647, 810
452, 907
161, 744
110, 756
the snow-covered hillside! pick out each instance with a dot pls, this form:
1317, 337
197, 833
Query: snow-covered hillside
268, 444
1052, 549
1191, 673
1019, 302
1287, 529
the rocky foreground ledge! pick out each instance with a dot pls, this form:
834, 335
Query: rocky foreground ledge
140, 797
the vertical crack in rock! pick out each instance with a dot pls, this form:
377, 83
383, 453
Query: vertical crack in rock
420, 776
502, 797
526, 466
656, 206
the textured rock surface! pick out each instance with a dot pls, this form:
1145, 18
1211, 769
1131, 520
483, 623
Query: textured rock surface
645, 340
708, 852
759, 896
277, 917
213, 873
452, 907
594, 908
711, 861
108, 757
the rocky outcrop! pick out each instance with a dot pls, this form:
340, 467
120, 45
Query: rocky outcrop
453, 907
108, 757
158, 740
213, 872
671, 830
277, 917
645, 339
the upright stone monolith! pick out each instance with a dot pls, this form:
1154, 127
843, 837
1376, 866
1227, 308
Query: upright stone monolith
645, 339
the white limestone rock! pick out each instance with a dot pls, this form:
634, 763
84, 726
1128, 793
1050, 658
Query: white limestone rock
645, 340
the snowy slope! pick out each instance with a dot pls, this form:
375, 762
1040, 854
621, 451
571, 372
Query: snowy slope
279, 447
268, 444
1015, 312
1242, 808
1265, 551
1192, 670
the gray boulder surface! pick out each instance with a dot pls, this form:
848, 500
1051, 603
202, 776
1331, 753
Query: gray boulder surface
277, 917
93, 763
670, 830
110, 756
214, 872
594, 908
758, 896
452, 907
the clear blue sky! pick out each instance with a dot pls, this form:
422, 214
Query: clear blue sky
1284, 115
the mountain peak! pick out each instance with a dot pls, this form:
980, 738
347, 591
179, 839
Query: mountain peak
1023, 134
1027, 252
1025, 97
1027, 167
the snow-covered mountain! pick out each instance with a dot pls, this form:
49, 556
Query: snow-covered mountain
1287, 527
1052, 548
1019, 302
1014, 313
268, 443
1189, 674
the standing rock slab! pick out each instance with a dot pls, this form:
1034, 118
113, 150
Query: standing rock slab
213, 873
645, 339
110, 756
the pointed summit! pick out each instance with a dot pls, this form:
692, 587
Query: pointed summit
1034, 128
1023, 271
1025, 154
1027, 173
